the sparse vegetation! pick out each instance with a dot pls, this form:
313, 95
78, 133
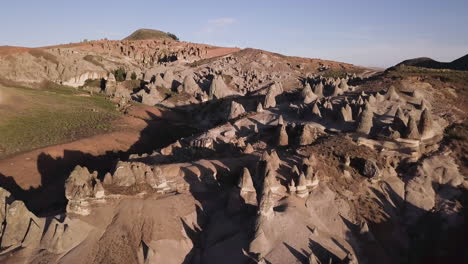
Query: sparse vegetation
143, 34
443, 75
96, 60
172, 36
120, 74
133, 76
40, 53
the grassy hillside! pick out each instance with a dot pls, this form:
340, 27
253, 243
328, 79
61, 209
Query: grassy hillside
34, 118
143, 34
460, 64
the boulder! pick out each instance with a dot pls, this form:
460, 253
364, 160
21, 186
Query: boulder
190, 86
123, 175
80, 184
370, 169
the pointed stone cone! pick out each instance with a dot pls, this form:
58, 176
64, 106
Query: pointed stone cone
319, 89
343, 86
259, 108
358, 112
423, 105
412, 129
347, 161
266, 203
366, 121
346, 113
309, 172
399, 121
190, 86
245, 181
360, 100
301, 187
392, 94
292, 186
107, 179
280, 120
248, 149
372, 99
316, 111
313, 259
426, 124
295, 171
306, 90
275, 160
363, 94
379, 97
271, 177
270, 99
98, 190
283, 136
311, 160
309, 97
328, 105
265, 156
337, 91
236, 110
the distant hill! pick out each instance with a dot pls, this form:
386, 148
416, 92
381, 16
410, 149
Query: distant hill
460, 64
142, 34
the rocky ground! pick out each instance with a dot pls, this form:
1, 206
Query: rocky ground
265, 159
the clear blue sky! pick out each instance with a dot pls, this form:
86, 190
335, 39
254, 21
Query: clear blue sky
363, 32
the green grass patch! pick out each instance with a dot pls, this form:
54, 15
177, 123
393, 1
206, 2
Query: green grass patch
444, 75
35, 118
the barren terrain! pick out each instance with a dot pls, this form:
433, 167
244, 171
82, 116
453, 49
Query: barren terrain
153, 150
